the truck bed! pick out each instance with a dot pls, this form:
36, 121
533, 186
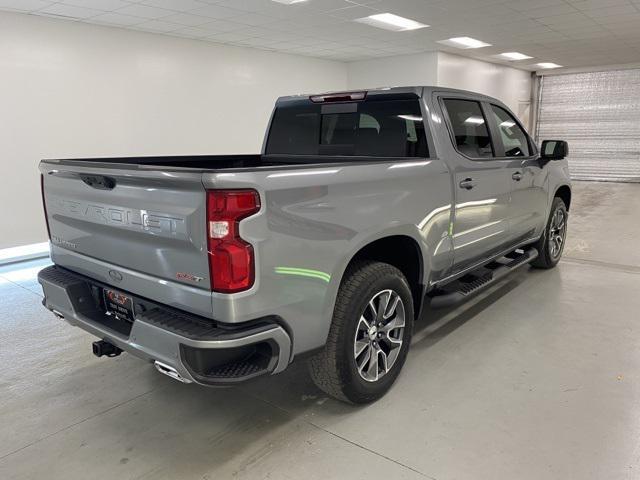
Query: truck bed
212, 163
218, 162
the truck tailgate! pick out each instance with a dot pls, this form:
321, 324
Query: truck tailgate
145, 220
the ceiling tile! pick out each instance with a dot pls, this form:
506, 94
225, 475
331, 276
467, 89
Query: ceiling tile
23, 5
252, 31
568, 19
258, 42
158, 26
187, 19
192, 32
587, 34
319, 6
106, 5
227, 37
217, 11
497, 19
526, 5
593, 4
176, 5
616, 28
542, 37
144, 11
252, 5
542, 12
351, 13
618, 10
220, 26
569, 32
70, 11
111, 18
522, 26
614, 20
281, 37
253, 19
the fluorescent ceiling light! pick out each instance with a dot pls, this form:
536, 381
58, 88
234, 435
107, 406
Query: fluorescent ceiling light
464, 42
475, 120
289, 2
412, 118
548, 65
513, 56
389, 21
303, 174
421, 163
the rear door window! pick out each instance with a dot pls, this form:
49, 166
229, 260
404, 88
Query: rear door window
373, 128
513, 137
469, 128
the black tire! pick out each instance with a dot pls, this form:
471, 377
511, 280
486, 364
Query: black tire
545, 258
334, 369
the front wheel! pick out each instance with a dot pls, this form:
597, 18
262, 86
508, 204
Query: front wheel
551, 244
369, 335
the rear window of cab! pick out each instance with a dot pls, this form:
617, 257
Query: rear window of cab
379, 128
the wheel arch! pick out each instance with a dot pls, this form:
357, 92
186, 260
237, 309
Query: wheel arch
403, 252
564, 192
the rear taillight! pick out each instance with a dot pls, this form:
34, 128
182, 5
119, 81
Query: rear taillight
231, 261
44, 205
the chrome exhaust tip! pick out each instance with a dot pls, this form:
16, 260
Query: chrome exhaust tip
170, 371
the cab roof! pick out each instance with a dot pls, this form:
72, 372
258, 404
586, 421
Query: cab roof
396, 92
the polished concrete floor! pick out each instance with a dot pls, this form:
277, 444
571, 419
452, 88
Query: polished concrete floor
539, 378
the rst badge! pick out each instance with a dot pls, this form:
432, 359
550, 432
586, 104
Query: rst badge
188, 277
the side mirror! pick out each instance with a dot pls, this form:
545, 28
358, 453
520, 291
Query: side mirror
554, 149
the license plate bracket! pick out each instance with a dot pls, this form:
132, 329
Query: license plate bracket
118, 305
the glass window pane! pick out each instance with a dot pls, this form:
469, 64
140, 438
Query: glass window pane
295, 130
513, 137
379, 128
469, 128
367, 121
398, 130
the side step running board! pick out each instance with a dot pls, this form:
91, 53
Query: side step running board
466, 289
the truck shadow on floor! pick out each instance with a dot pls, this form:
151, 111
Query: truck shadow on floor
436, 324
294, 391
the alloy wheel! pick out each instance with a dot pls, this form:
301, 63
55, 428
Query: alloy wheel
557, 233
379, 335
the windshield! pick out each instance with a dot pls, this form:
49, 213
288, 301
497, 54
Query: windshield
380, 128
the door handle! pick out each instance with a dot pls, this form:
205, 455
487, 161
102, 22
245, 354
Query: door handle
467, 183
517, 176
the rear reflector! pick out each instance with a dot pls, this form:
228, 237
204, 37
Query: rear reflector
338, 97
231, 259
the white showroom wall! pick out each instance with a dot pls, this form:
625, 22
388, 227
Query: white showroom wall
71, 89
510, 85
77, 90
401, 70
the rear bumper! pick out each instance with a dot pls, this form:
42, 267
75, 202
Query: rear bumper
200, 350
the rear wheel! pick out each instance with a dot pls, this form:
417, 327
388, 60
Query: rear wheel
369, 335
551, 244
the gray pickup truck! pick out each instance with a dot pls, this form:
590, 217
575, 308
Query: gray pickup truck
361, 207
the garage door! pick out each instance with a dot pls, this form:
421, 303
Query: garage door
598, 113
